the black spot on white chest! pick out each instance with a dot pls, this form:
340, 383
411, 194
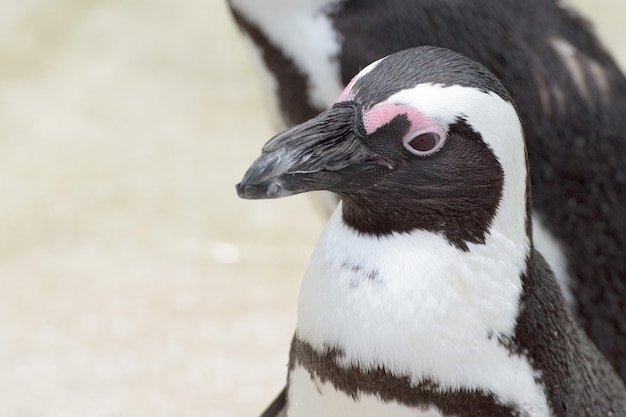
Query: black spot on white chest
356, 274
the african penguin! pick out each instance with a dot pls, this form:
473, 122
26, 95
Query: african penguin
425, 295
571, 97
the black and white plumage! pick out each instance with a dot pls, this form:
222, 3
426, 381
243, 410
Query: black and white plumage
571, 97
425, 295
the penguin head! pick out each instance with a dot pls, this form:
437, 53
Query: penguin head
423, 139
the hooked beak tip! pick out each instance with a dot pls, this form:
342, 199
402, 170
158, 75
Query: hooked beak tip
263, 190
263, 178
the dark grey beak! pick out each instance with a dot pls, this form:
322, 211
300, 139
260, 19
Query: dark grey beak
325, 153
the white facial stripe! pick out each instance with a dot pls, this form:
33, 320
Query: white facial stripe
501, 130
346, 94
304, 34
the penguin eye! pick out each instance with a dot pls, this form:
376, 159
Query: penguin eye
423, 144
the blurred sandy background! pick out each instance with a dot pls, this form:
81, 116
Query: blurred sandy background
133, 281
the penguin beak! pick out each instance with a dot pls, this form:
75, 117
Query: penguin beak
324, 153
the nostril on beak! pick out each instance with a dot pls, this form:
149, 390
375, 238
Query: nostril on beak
273, 190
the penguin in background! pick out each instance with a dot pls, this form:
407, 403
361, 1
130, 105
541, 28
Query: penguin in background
571, 97
425, 295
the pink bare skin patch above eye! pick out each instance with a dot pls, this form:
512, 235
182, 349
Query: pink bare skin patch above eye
383, 113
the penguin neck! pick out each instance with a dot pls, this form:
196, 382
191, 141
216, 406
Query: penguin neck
397, 214
378, 297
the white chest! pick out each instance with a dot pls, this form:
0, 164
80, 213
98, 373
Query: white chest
418, 306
